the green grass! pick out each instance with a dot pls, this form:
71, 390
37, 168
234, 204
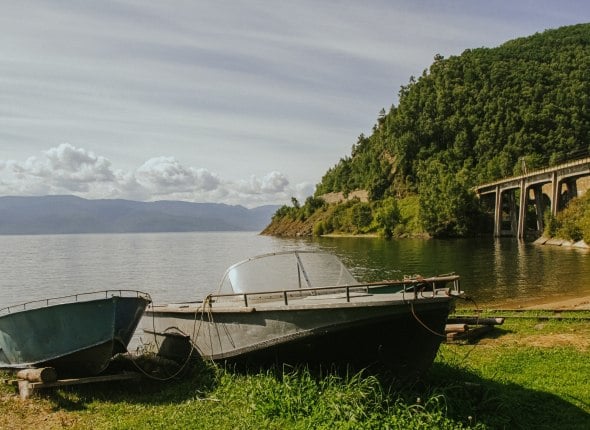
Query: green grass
528, 373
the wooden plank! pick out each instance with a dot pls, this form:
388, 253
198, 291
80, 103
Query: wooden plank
27, 388
7, 381
89, 380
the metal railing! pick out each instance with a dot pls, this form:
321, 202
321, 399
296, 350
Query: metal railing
72, 298
406, 286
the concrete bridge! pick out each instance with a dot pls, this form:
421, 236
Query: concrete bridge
540, 189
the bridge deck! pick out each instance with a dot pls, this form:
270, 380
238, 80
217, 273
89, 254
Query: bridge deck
572, 168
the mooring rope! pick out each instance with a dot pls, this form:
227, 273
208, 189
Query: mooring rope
423, 324
206, 307
195, 332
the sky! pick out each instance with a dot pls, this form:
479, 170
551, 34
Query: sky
236, 102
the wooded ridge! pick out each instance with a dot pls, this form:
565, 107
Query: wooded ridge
70, 214
466, 120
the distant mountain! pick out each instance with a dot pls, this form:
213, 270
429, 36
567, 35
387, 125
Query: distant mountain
70, 214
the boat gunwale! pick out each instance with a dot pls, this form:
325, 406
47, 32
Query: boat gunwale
297, 305
67, 300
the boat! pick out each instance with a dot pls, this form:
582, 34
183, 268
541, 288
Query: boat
76, 334
307, 307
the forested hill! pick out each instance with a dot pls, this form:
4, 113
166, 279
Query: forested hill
468, 119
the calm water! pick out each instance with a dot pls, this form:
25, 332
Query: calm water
187, 266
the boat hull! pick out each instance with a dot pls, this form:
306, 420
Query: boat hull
401, 336
77, 338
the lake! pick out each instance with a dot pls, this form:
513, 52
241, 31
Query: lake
187, 266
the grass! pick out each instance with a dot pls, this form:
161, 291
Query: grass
529, 373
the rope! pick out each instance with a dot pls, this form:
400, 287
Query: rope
464, 357
424, 325
434, 332
168, 378
205, 308
195, 333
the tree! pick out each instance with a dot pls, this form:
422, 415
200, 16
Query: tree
447, 206
361, 215
387, 216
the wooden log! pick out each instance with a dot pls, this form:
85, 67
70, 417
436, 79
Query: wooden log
41, 374
476, 320
456, 328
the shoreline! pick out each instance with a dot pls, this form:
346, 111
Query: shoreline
581, 303
555, 241
569, 304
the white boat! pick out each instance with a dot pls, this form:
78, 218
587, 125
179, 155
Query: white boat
306, 307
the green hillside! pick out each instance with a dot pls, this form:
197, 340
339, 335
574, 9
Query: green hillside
468, 119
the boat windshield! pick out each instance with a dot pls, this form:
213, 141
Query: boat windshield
286, 271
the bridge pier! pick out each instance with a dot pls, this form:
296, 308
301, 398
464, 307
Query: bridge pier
506, 202
539, 206
513, 214
522, 207
498, 213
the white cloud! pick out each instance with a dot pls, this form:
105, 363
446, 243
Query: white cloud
67, 169
165, 174
77, 165
64, 167
274, 182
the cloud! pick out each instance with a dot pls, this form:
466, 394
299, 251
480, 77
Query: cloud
67, 169
274, 182
63, 167
166, 174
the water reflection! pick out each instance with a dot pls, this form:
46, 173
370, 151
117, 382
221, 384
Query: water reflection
492, 270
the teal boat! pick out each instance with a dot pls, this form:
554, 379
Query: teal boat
77, 334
